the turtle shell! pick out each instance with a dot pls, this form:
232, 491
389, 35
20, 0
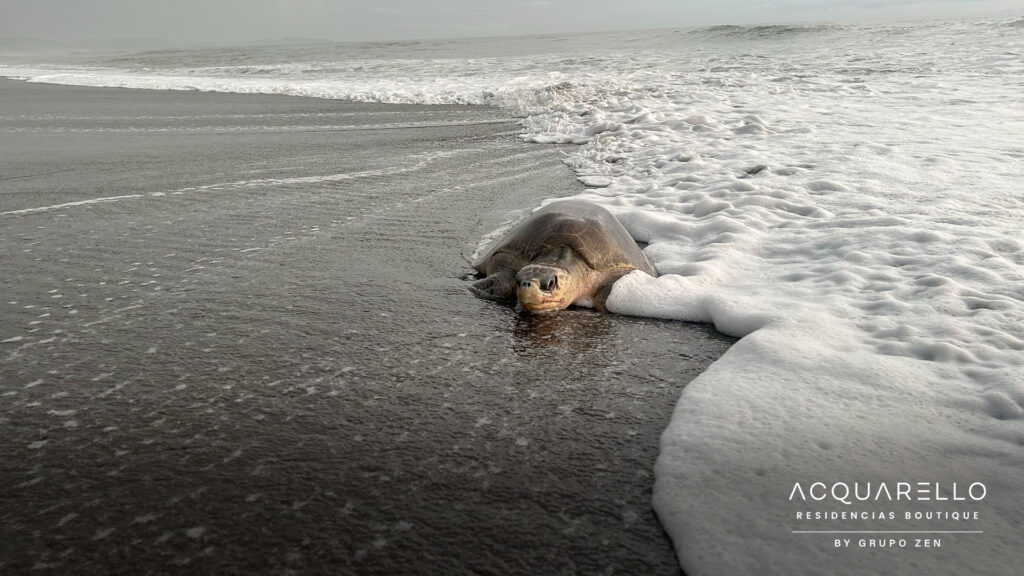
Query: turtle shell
590, 230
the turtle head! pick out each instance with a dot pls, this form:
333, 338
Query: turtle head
544, 287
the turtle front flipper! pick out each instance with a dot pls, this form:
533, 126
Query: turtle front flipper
605, 289
498, 286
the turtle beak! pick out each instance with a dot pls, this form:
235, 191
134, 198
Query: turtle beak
531, 297
535, 294
539, 289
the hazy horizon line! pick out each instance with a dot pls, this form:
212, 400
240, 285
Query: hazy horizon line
193, 43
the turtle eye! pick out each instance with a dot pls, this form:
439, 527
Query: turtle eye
548, 282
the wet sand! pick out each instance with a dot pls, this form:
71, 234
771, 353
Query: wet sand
237, 339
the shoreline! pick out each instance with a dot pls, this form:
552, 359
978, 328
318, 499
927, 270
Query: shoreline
264, 356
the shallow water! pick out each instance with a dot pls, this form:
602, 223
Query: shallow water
235, 340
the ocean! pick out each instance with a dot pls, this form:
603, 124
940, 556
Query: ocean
845, 198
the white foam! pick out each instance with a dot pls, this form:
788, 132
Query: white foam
100, 200
845, 199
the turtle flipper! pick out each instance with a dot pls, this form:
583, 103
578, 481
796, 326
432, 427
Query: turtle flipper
601, 296
498, 286
605, 290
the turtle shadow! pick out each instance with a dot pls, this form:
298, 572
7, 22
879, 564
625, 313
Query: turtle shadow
575, 329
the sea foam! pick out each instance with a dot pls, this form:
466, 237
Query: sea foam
846, 199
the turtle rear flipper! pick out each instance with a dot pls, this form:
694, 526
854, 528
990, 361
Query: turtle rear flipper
498, 286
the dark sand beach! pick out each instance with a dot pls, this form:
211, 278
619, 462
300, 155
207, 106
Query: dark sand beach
237, 339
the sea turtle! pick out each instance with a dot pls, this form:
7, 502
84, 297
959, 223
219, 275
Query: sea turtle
568, 252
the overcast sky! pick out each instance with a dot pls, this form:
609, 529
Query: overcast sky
240, 20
